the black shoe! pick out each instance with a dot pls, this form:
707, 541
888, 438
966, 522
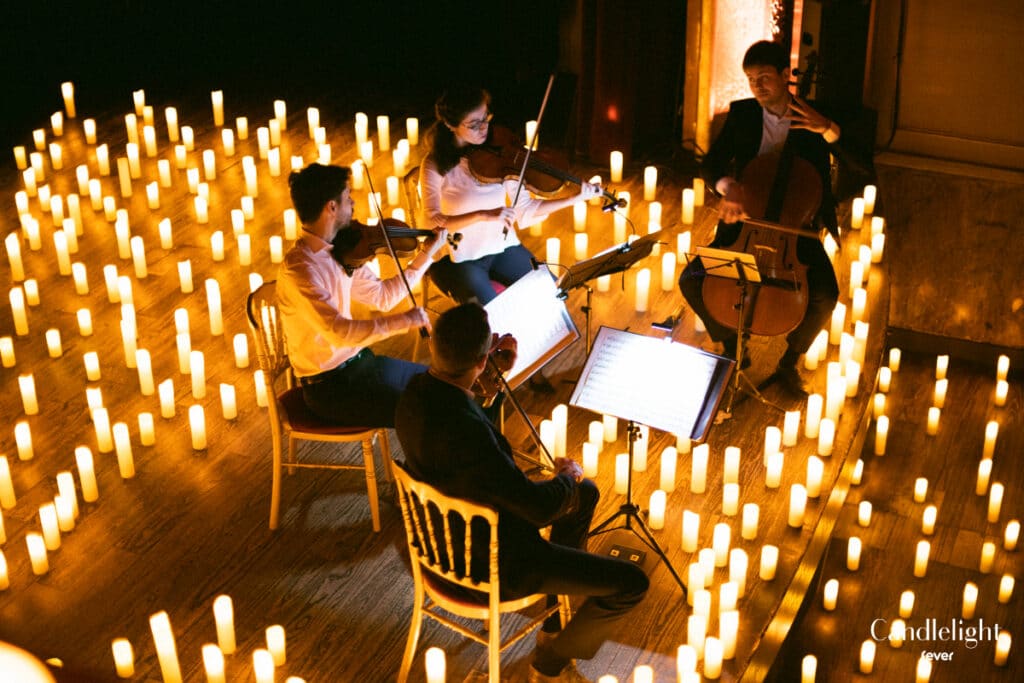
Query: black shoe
788, 377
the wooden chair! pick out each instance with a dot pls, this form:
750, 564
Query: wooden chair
442, 588
288, 412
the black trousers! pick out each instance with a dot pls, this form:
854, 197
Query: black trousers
822, 292
468, 280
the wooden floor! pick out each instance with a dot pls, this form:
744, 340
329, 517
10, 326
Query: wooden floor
191, 525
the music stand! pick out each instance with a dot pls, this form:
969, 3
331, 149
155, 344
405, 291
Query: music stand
653, 381
739, 266
615, 259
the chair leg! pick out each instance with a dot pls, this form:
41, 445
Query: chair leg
385, 455
371, 481
414, 634
291, 454
494, 647
275, 479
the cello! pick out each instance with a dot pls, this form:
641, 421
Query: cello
782, 194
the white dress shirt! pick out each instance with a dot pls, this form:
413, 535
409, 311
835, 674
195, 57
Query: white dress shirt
314, 295
458, 192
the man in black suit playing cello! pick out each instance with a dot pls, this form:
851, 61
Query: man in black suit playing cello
756, 126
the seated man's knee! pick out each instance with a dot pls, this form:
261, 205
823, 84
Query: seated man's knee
588, 495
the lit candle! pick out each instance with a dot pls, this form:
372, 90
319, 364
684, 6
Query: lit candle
728, 630
696, 630
906, 604
924, 670
27, 385
683, 241
812, 425
1011, 535
166, 650
657, 510
615, 166
991, 433
867, 656
984, 472
838, 322
123, 447
920, 489
37, 553
769, 562
826, 436
773, 471
995, 501
1003, 641
185, 276
7, 352
224, 616
435, 665
730, 499
691, 531
881, 432
589, 459
712, 658
145, 370
857, 213
870, 193
197, 424
23, 440
166, 391
751, 514
263, 665
933, 421
738, 565
188, 138
244, 243
853, 548
688, 206
731, 465
260, 383
699, 468
864, 513
49, 525
7, 496
228, 403
197, 368
970, 600
13, 245
560, 419
213, 663
124, 658
621, 472
797, 505
878, 405
928, 518
815, 473
1005, 589
1002, 389
921, 558
202, 210
808, 669
643, 285
939, 395
668, 467
721, 538
214, 307
830, 594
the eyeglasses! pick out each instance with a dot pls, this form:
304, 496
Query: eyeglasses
479, 124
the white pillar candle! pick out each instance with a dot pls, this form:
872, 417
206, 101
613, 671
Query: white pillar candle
797, 505
643, 286
123, 447
49, 525
941, 366
615, 166
213, 663
1005, 589
244, 243
202, 211
197, 425
995, 501
769, 562
166, 650
830, 594
928, 520
147, 433
920, 489
276, 644
124, 658
933, 421
560, 420
906, 609
721, 538
214, 307
668, 468
696, 630
857, 213
738, 566
384, 133
688, 201
731, 465
260, 384
224, 617
263, 665
64, 507
435, 665
650, 183
923, 673
23, 440
826, 436
988, 557
590, 460
881, 433
812, 425
699, 468
970, 601
668, 271
791, 428
864, 513
939, 395
166, 391
751, 515
867, 656
553, 251
838, 322
37, 553
197, 368
7, 352
1002, 390
773, 470
1003, 643
853, 548
728, 631
984, 473
991, 434
878, 405
27, 386
730, 499
712, 658
657, 510
621, 473
1011, 535
815, 473
228, 403
698, 191
7, 497
772, 440
691, 531
921, 558
145, 371
808, 669
13, 246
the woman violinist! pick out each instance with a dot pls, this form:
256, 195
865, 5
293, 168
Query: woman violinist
453, 198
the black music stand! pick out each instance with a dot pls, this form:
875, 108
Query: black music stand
648, 380
741, 267
616, 259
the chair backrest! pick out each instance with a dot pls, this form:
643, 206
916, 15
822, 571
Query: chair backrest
268, 335
411, 185
440, 533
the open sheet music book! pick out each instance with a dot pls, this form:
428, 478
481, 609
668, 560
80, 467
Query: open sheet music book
653, 381
531, 311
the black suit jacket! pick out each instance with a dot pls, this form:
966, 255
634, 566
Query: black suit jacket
740, 141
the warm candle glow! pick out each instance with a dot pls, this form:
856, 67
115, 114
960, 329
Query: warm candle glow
688, 206
224, 617
853, 548
988, 557
797, 505
769, 562
995, 501
435, 665
867, 656
699, 468
721, 538
621, 473
1011, 535
830, 594
970, 601
124, 658
991, 434
669, 457
197, 424
691, 531
751, 514
928, 518
933, 421
1003, 642
615, 166
657, 510
921, 558
773, 471
1005, 589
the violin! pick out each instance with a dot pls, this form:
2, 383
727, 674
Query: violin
501, 158
358, 243
782, 194
500, 360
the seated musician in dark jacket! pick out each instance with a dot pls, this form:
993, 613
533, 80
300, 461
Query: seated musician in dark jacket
450, 444
762, 125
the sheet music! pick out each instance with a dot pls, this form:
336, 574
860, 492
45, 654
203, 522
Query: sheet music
531, 311
649, 380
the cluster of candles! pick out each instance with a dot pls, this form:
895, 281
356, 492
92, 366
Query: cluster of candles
266, 660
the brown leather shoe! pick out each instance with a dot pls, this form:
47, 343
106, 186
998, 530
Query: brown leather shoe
789, 379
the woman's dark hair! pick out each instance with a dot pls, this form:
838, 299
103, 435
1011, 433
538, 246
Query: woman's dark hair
766, 53
461, 338
450, 109
314, 186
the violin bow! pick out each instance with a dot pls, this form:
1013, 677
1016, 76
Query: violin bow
529, 147
391, 248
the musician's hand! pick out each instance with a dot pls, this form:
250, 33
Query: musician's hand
505, 214
589, 191
570, 467
416, 318
730, 209
433, 244
504, 349
802, 115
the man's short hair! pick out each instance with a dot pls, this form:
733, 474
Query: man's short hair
314, 186
461, 338
766, 53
